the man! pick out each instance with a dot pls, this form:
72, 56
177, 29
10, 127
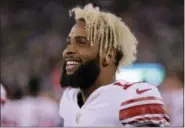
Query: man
172, 88
38, 110
3, 95
98, 44
2, 100
11, 111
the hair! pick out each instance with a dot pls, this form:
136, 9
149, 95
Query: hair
34, 86
14, 92
109, 31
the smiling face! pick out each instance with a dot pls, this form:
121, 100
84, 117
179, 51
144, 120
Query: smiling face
78, 50
81, 67
98, 44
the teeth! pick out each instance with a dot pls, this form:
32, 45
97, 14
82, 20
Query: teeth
71, 62
69, 67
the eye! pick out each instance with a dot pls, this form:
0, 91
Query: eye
82, 41
68, 41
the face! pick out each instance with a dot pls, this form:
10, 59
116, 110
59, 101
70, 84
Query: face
81, 67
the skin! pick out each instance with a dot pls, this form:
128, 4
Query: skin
79, 48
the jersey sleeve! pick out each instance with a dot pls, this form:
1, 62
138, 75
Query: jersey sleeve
144, 107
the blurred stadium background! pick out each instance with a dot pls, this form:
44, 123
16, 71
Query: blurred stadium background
33, 36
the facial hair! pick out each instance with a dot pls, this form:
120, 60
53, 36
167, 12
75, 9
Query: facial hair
83, 78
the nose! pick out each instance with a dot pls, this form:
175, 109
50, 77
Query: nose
70, 50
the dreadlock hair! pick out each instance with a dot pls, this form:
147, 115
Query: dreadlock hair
109, 31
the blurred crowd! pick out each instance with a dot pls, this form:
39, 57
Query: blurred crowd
33, 38
27, 107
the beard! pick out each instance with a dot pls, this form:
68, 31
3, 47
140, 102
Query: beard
84, 77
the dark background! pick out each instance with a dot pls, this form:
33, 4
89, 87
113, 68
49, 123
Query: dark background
34, 31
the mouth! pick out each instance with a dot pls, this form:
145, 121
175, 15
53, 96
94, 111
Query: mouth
71, 66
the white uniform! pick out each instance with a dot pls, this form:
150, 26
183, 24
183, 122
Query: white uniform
3, 95
117, 104
29, 111
11, 113
174, 101
39, 111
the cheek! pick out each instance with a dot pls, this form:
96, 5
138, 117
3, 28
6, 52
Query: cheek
85, 56
64, 53
88, 54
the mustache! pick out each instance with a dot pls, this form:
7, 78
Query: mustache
72, 57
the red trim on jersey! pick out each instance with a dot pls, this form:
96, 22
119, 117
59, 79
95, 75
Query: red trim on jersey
141, 110
126, 85
139, 99
2, 101
8, 123
46, 123
149, 119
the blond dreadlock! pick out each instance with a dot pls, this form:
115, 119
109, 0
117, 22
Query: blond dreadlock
109, 31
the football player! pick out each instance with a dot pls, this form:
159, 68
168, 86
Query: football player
38, 110
11, 111
98, 44
3, 95
2, 101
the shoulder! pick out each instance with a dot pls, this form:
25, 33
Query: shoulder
140, 103
128, 90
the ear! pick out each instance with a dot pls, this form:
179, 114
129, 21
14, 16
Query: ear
109, 58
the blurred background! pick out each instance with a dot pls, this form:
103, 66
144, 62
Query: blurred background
33, 37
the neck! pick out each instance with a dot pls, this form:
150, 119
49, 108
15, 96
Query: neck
102, 80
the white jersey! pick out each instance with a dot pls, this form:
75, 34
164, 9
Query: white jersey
30, 111
174, 101
11, 113
117, 104
3, 95
39, 112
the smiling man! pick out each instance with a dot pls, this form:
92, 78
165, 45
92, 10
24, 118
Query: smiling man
97, 45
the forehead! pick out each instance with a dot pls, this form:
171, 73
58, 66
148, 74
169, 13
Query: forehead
78, 30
